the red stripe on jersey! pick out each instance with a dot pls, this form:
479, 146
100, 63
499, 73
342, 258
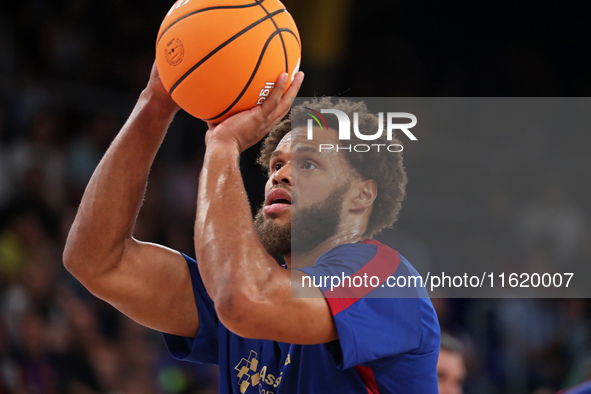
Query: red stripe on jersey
366, 374
337, 305
382, 265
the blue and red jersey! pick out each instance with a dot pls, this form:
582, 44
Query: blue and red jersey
386, 344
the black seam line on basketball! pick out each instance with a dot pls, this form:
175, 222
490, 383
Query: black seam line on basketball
222, 45
226, 7
253, 73
280, 36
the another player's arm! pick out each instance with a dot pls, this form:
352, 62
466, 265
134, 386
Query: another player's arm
252, 295
149, 283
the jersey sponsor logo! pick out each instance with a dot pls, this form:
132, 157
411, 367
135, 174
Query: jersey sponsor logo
248, 375
246, 371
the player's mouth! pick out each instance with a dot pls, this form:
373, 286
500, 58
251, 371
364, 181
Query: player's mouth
277, 200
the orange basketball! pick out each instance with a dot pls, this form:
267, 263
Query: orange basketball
220, 57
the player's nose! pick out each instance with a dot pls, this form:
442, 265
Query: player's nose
282, 176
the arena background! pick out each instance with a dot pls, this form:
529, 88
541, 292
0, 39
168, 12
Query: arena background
71, 70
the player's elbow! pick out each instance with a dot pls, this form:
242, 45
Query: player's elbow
72, 259
85, 263
239, 312
77, 264
85, 270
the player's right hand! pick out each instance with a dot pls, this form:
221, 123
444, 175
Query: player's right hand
246, 128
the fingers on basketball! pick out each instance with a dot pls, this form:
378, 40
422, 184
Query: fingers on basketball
277, 105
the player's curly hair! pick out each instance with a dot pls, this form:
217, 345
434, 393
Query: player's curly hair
386, 168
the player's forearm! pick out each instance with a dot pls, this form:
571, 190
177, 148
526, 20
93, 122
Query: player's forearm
108, 211
232, 261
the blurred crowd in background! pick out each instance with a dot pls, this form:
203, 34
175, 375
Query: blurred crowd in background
70, 71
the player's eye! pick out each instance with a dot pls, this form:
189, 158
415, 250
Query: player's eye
277, 166
308, 165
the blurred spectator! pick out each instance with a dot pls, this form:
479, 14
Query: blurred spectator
34, 361
451, 368
38, 160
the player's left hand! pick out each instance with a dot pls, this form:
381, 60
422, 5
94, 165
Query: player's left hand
155, 89
246, 128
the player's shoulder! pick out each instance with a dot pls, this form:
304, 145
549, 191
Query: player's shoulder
362, 252
365, 258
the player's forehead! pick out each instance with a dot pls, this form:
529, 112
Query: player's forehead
299, 138
284, 143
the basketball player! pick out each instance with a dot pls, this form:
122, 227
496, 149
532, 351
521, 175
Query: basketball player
235, 307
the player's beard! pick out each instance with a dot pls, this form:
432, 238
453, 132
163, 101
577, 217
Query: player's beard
311, 226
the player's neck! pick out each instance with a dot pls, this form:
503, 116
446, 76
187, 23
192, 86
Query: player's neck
307, 259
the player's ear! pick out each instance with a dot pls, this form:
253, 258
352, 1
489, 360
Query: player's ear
366, 193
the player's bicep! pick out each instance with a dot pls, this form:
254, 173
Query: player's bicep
152, 285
